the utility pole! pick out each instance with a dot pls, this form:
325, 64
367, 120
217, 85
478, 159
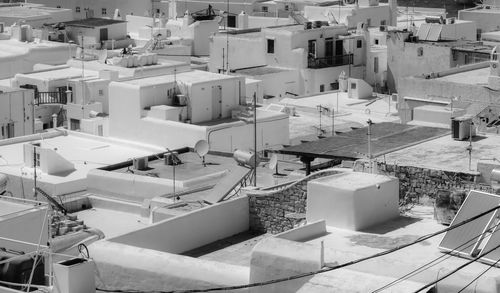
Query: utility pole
370, 144
255, 139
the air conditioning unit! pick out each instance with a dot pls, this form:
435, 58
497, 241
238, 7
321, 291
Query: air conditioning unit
140, 163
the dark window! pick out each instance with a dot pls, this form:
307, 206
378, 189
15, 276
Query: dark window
420, 51
334, 86
104, 11
74, 124
322, 88
77, 9
353, 85
328, 47
375, 64
270, 46
382, 22
286, 7
264, 9
376, 41
58, 6
311, 48
359, 44
231, 20
368, 21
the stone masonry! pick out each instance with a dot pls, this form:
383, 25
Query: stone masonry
283, 207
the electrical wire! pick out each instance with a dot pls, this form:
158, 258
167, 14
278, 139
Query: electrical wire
435, 261
479, 276
457, 269
331, 268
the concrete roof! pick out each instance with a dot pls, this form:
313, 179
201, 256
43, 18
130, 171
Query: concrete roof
473, 77
386, 138
86, 152
194, 76
10, 208
92, 22
60, 74
26, 12
261, 70
447, 154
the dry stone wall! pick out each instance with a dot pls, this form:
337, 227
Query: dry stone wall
283, 207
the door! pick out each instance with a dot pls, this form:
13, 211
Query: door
312, 49
329, 51
103, 34
339, 51
216, 102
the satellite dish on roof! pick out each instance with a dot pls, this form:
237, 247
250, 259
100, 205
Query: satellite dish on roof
273, 162
201, 148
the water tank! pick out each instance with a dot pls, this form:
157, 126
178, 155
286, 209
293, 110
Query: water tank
461, 127
140, 163
246, 158
18, 270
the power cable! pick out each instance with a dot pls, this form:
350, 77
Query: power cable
328, 269
457, 269
479, 276
435, 261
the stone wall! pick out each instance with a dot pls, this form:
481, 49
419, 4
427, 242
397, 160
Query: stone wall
420, 185
283, 207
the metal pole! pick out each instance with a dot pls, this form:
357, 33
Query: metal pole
34, 171
333, 122
255, 139
370, 144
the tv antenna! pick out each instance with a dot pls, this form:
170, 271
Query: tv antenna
201, 148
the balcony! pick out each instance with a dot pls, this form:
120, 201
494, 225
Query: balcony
43, 98
331, 61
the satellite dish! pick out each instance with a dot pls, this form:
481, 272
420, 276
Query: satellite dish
201, 148
273, 162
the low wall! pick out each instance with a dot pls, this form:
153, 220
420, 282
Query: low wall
192, 230
270, 209
134, 268
420, 185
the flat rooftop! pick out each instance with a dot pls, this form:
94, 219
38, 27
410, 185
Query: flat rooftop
86, 152
386, 138
472, 77
10, 207
261, 70
194, 76
60, 74
447, 154
27, 12
92, 22
349, 114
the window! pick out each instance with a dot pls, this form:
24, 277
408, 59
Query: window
368, 21
37, 158
359, 44
104, 11
353, 85
77, 9
265, 9
334, 86
74, 124
420, 52
375, 64
466, 56
286, 7
58, 6
101, 93
270, 46
376, 41
478, 34
157, 10
383, 22
311, 48
321, 88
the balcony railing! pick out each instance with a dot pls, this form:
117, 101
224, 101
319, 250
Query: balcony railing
42, 98
331, 61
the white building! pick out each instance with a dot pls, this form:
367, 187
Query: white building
34, 15
177, 110
290, 60
16, 112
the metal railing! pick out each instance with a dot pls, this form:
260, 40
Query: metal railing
330, 61
42, 98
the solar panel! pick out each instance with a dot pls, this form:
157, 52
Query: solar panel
493, 241
465, 239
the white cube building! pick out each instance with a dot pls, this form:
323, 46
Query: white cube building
353, 201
